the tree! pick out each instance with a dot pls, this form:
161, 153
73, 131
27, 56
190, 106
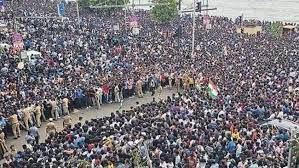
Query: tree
164, 10
276, 29
84, 3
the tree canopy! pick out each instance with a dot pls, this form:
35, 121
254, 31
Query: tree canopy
164, 10
276, 29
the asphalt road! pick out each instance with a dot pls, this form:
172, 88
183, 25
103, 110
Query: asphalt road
88, 114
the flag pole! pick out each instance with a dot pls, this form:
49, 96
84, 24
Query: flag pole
78, 14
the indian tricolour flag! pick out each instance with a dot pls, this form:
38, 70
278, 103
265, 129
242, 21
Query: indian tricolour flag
213, 90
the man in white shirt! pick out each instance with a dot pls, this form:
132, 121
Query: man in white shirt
116, 94
98, 97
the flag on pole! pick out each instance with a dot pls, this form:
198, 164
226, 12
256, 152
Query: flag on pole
213, 90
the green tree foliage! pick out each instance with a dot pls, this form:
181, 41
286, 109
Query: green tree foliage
276, 29
84, 3
164, 13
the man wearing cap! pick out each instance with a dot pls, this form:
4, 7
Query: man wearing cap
15, 126
50, 127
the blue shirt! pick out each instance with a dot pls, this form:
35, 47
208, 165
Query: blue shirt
79, 141
79, 93
2, 122
231, 146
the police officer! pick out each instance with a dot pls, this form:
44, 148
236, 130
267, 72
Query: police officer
67, 121
50, 127
15, 125
38, 114
26, 117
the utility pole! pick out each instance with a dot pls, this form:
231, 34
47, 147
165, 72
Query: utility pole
126, 6
180, 27
78, 14
195, 9
290, 147
193, 30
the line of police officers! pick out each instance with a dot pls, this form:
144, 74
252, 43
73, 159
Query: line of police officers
34, 114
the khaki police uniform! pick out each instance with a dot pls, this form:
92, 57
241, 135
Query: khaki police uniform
50, 128
15, 126
38, 114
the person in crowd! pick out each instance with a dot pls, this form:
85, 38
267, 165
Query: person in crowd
38, 114
33, 131
152, 87
116, 93
256, 77
67, 121
54, 109
15, 126
177, 83
3, 147
50, 127
139, 88
98, 97
26, 117
65, 106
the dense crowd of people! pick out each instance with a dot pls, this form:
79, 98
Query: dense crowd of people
94, 63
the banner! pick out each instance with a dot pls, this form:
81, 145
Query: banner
60, 8
207, 22
135, 31
17, 42
134, 21
2, 8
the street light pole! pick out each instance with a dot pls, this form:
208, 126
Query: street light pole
290, 148
193, 30
78, 14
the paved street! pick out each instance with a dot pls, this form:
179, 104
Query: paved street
88, 114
